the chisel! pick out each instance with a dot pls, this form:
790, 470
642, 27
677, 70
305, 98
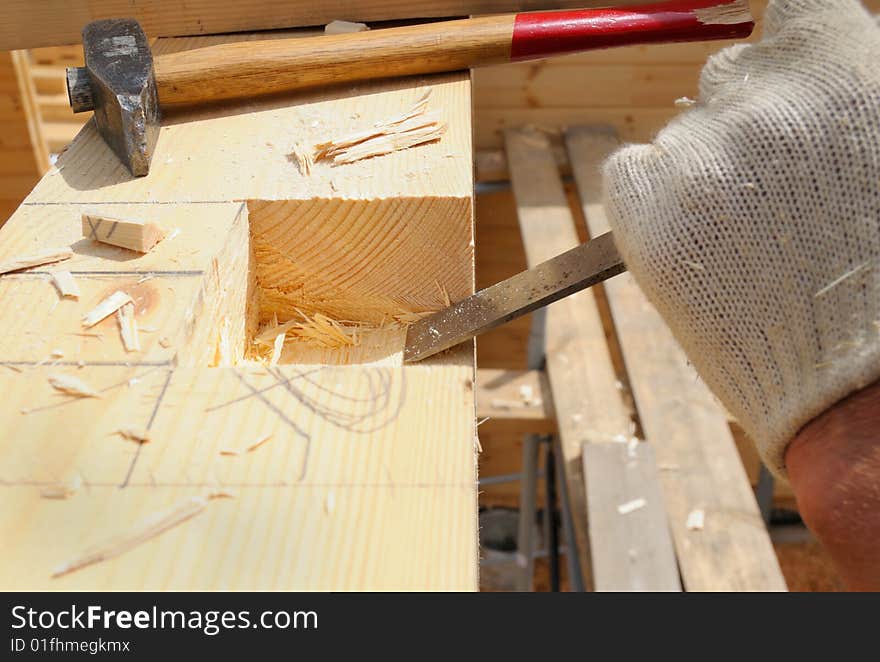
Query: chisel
572, 271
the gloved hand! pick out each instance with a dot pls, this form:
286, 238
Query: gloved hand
752, 222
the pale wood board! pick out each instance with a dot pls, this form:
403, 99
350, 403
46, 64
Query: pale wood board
514, 394
51, 22
385, 497
700, 465
587, 404
636, 553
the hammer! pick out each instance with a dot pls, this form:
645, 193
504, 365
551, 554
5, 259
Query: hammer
126, 86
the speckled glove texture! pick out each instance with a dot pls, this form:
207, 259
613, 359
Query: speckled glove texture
752, 222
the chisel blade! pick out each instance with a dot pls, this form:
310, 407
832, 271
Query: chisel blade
572, 271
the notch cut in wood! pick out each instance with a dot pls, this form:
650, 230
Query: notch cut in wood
138, 236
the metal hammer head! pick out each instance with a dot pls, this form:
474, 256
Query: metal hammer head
118, 83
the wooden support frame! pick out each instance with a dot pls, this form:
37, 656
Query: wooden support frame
701, 470
588, 406
369, 478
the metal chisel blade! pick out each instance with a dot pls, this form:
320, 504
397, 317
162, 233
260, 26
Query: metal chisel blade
565, 274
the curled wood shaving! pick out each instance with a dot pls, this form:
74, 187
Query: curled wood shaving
414, 127
106, 308
66, 284
128, 328
277, 348
73, 386
63, 490
35, 259
148, 528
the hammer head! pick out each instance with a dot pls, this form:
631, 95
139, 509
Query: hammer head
118, 83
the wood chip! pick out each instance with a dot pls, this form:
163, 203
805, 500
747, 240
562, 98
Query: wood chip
696, 519
138, 435
412, 128
35, 259
249, 447
128, 328
344, 27
631, 506
277, 348
138, 236
73, 386
303, 159
64, 489
140, 533
66, 284
164, 342
106, 308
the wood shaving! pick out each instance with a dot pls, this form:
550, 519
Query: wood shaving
66, 284
696, 520
106, 308
303, 159
148, 528
64, 489
73, 386
412, 128
164, 342
138, 435
277, 348
330, 503
128, 328
35, 259
317, 329
344, 27
251, 446
631, 506
684, 102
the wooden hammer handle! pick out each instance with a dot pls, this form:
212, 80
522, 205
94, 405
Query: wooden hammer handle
250, 68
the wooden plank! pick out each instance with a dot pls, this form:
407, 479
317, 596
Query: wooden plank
587, 404
548, 84
633, 124
23, 156
341, 496
628, 514
51, 22
513, 394
688, 429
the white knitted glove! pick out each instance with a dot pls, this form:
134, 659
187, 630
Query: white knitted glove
752, 222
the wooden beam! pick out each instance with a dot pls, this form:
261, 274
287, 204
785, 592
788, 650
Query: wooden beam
368, 480
628, 514
52, 22
689, 432
588, 406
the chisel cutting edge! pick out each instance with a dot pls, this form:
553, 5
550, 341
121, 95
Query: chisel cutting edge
568, 273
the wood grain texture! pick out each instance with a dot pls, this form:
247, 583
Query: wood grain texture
587, 404
369, 478
52, 22
338, 499
636, 553
700, 465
